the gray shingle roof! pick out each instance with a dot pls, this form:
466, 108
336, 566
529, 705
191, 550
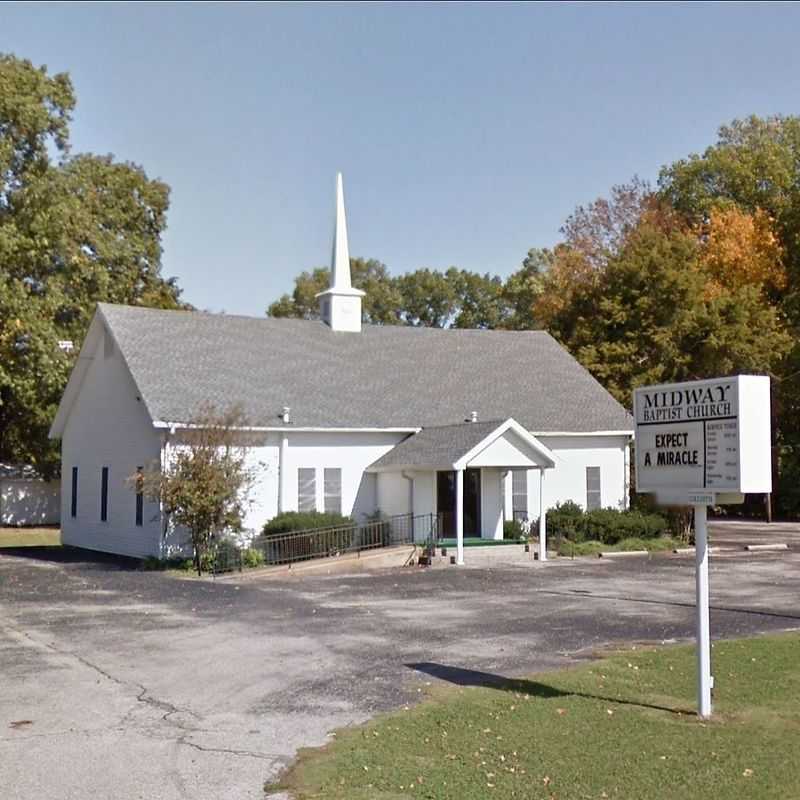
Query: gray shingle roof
383, 377
438, 446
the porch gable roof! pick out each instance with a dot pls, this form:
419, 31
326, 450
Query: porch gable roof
455, 447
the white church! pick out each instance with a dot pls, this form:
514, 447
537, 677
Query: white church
477, 426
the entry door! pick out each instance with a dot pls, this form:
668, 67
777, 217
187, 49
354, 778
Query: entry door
446, 502
472, 502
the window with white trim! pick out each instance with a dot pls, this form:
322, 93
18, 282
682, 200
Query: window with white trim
519, 494
306, 489
593, 498
333, 490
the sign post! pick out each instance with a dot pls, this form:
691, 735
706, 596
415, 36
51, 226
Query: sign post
698, 444
704, 679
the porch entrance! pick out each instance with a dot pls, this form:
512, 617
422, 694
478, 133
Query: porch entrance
446, 502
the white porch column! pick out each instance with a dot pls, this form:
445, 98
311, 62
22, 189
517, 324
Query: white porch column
542, 519
283, 482
460, 517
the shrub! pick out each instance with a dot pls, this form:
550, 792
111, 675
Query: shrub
512, 529
303, 521
609, 526
566, 520
606, 525
252, 557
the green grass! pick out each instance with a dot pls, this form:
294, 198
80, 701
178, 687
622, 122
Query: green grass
659, 544
30, 537
622, 727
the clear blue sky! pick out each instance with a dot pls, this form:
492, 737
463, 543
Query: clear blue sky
466, 133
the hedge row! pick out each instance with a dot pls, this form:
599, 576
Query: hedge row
606, 525
291, 521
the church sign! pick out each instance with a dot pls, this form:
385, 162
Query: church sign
701, 444
709, 438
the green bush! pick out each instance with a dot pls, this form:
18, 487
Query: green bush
512, 529
252, 557
303, 521
606, 525
566, 520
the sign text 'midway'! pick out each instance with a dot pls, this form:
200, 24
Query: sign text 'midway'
691, 403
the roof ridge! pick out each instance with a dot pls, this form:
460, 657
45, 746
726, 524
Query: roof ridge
299, 320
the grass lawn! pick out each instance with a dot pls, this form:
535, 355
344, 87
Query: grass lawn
659, 544
621, 727
30, 537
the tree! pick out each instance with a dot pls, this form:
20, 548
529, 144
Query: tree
593, 235
380, 305
481, 302
204, 485
754, 170
430, 299
741, 249
649, 319
523, 289
599, 231
74, 230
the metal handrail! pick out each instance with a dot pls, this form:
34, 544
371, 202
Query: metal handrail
294, 546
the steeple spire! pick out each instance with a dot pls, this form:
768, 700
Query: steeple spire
340, 305
340, 260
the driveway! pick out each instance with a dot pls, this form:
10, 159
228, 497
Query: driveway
125, 684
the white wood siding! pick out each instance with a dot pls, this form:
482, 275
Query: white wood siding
108, 426
568, 480
351, 452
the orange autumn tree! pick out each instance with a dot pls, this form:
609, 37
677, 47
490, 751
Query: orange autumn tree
741, 249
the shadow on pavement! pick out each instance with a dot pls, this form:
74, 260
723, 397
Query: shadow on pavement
63, 554
460, 676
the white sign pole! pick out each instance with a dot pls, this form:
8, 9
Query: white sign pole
704, 679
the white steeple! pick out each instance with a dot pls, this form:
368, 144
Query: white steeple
340, 306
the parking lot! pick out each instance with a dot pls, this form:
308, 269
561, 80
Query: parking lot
124, 684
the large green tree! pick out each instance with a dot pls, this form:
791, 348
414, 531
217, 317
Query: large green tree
74, 230
649, 319
754, 168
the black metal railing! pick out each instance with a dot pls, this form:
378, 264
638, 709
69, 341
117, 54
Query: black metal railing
289, 548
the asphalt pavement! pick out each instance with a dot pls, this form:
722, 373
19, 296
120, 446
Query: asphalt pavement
118, 683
